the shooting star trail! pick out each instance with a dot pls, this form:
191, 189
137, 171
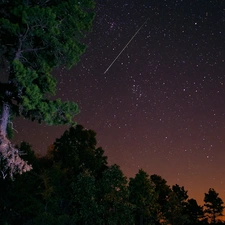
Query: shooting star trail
125, 46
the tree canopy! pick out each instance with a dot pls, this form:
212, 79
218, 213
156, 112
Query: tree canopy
35, 38
213, 205
65, 188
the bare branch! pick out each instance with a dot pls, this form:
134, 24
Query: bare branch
11, 162
33, 49
13, 127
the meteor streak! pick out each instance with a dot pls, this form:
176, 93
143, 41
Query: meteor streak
125, 46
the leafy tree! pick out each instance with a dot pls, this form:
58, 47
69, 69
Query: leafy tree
76, 150
144, 198
113, 197
28, 154
176, 206
180, 193
213, 205
86, 208
163, 191
193, 211
20, 200
36, 37
54, 192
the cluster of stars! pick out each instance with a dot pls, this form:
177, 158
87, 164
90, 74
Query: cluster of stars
161, 106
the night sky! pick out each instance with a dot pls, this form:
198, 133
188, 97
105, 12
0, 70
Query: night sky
161, 105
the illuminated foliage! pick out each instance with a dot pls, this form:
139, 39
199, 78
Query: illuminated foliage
35, 38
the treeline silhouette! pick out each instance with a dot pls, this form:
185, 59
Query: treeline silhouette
73, 184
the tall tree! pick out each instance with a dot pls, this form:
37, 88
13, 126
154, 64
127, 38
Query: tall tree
76, 151
113, 197
176, 206
85, 207
143, 197
163, 191
19, 199
193, 211
213, 205
35, 37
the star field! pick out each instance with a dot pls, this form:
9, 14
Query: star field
161, 105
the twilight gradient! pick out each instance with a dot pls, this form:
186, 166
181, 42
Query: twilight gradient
161, 105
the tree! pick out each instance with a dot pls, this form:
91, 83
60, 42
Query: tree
36, 37
76, 151
213, 205
163, 191
113, 197
19, 199
86, 208
144, 198
176, 206
193, 211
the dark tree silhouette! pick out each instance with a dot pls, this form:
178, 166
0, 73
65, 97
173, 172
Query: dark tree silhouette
84, 197
113, 197
20, 199
144, 198
193, 211
213, 205
72, 184
175, 213
76, 151
162, 190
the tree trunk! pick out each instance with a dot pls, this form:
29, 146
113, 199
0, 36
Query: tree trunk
213, 218
10, 161
4, 119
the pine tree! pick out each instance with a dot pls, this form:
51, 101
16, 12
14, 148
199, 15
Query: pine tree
213, 205
144, 198
36, 37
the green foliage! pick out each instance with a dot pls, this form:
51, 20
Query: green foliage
51, 30
143, 197
162, 190
175, 213
9, 131
76, 150
29, 98
36, 37
86, 208
73, 185
114, 197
